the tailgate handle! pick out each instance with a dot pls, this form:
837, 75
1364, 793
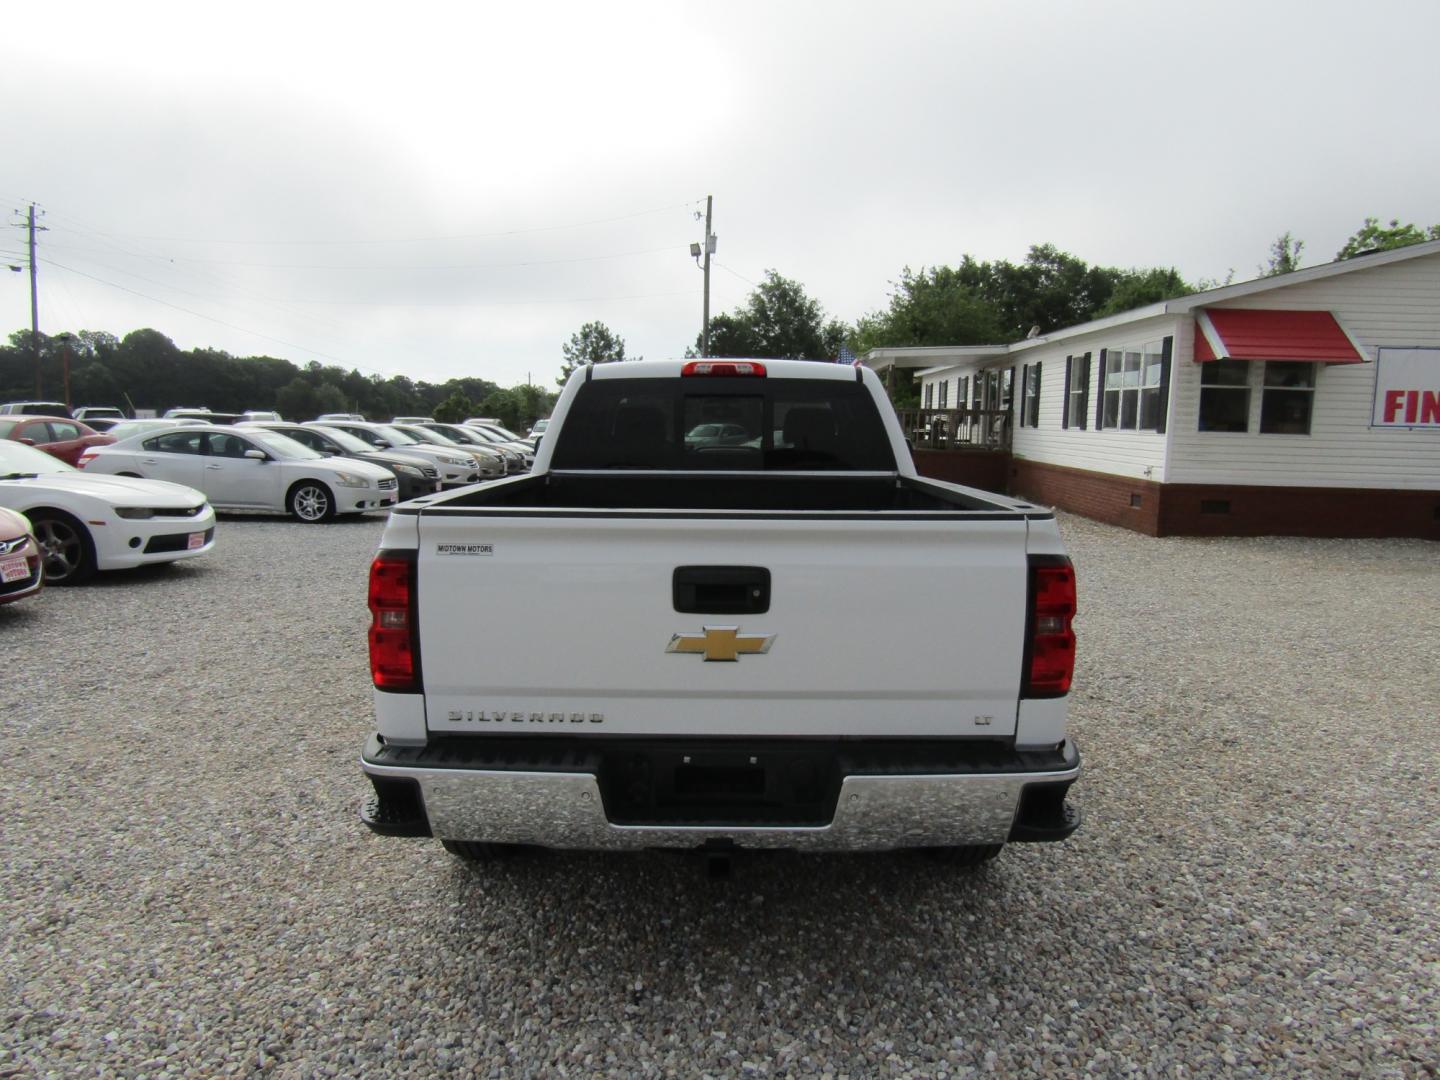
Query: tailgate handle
722, 590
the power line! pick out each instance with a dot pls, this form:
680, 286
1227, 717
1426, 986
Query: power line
371, 303
410, 239
197, 314
223, 284
338, 360
733, 273
395, 267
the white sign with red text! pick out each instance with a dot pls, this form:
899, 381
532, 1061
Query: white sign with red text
1407, 389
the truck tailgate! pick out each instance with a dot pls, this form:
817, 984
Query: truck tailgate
881, 626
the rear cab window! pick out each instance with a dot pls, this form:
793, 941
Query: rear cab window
740, 423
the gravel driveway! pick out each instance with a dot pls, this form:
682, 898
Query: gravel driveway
187, 891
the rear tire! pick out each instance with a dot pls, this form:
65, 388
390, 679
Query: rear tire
66, 549
969, 855
310, 501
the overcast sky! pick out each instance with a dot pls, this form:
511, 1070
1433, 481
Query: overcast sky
444, 190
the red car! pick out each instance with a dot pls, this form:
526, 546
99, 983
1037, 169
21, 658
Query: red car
58, 437
19, 558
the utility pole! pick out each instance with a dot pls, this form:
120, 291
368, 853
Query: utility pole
709, 250
34, 306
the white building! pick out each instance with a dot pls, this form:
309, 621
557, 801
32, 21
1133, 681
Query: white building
1304, 404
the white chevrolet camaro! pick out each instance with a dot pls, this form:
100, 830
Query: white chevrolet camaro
249, 469
86, 523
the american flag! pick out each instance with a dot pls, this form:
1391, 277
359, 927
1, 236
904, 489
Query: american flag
846, 356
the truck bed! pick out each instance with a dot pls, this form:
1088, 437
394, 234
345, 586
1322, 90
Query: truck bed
692, 492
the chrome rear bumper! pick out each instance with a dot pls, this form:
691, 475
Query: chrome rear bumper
566, 809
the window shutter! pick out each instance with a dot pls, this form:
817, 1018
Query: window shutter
1035, 410
1166, 348
1017, 394
1084, 391
1100, 393
1065, 401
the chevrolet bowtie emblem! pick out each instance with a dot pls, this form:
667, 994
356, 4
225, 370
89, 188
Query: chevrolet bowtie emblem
720, 643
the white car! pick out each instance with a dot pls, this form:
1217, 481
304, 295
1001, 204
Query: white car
250, 469
86, 523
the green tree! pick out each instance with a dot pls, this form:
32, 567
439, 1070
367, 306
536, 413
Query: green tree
1372, 236
778, 321
1049, 290
92, 384
328, 398
454, 409
147, 367
505, 406
1284, 256
593, 343
297, 400
934, 306
984, 303
1137, 288
535, 403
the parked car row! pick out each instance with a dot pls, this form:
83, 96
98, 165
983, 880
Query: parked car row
105, 417
417, 475
249, 468
313, 471
148, 492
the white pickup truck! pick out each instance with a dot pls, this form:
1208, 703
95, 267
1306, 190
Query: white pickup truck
723, 611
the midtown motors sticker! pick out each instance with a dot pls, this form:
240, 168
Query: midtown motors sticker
1407, 389
464, 549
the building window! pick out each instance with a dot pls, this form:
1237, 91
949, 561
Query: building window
945, 394
929, 394
1288, 399
1077, 390
1225, 395
1030, 406
1152, 387
962, 392
1134, 388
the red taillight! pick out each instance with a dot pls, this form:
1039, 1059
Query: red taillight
1051, 647
393, 655
86, 456
723, 367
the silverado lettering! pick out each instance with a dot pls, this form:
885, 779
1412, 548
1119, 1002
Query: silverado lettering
480, 716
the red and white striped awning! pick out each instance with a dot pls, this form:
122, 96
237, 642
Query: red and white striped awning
1255, 334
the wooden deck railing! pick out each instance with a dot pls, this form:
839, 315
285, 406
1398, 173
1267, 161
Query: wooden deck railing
956, 429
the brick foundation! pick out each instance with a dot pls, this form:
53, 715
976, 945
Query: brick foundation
1228, 509
1115, 500
1202, 510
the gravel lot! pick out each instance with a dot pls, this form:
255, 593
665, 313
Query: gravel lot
187, 891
